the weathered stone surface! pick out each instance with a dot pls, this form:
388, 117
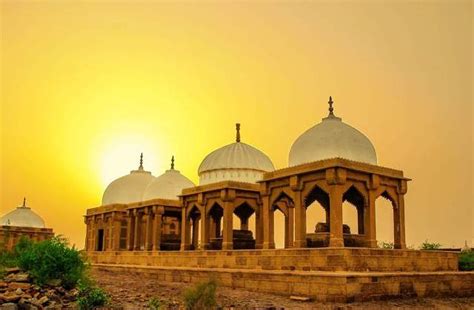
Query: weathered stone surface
17, 277
12, 270
9, 306
16, 285
10, 297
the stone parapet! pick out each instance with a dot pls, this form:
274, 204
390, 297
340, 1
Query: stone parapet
323, 259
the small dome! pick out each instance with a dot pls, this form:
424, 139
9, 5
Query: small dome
168, 185
22, 216
236, 162
129, 188
332, 138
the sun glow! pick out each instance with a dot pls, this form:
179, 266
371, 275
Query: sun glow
122, 154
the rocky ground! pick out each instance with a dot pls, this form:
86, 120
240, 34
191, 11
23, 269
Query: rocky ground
133, 291
17, 292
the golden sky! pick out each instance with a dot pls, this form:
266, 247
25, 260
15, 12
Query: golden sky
87, 86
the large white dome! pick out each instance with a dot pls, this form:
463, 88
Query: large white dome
235, 162
168, 185
22, 216
129, 188
332, 138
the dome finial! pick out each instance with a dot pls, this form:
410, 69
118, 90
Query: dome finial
172, 162
331, 109
237, 128
24, 202
141, 162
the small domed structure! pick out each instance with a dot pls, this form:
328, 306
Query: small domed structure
22, 216
168, 185
332, 138
235, 162
129, 188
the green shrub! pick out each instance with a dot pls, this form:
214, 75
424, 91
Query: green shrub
385, 245
466, 261
90, 296
202, 296
155, 303
430, 245
51, 260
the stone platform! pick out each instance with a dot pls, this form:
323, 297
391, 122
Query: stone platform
319, 285
325, 274
320, 259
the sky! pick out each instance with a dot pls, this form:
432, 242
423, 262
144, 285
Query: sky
87, 86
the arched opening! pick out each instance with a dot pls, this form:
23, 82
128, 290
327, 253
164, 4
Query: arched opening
384, 220
195, 218
216, 214
317, 218
353, 209
279, 228
244, 238
281, 221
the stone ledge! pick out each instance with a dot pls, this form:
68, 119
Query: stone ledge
322, 286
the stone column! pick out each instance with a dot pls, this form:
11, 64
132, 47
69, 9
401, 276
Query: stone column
335, 208
137, 232
360, 219
195, 233
93, 234
289, 220
157, 220
116, 233
228, 235
148, 231
205, 219
130, 230
300, 221
370, 230
267, 219
185, 231
258, 228
399, 223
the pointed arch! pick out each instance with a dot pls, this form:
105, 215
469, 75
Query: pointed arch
282, 194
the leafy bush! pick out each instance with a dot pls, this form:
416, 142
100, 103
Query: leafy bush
155, 303
202, 296
51, 260
430, 245
466, 261
91, 296
385, 245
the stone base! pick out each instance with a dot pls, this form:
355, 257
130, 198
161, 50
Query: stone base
320, 259
321, 286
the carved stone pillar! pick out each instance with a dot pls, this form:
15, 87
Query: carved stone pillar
360, 219
137, 232
267, 219
399, 223
244, 223
148, 231
228, 235
185, 231
300, 221
289, 220
117, 223
205, 227
130, 230
335, 208
370, 228
258, 228
157, 220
